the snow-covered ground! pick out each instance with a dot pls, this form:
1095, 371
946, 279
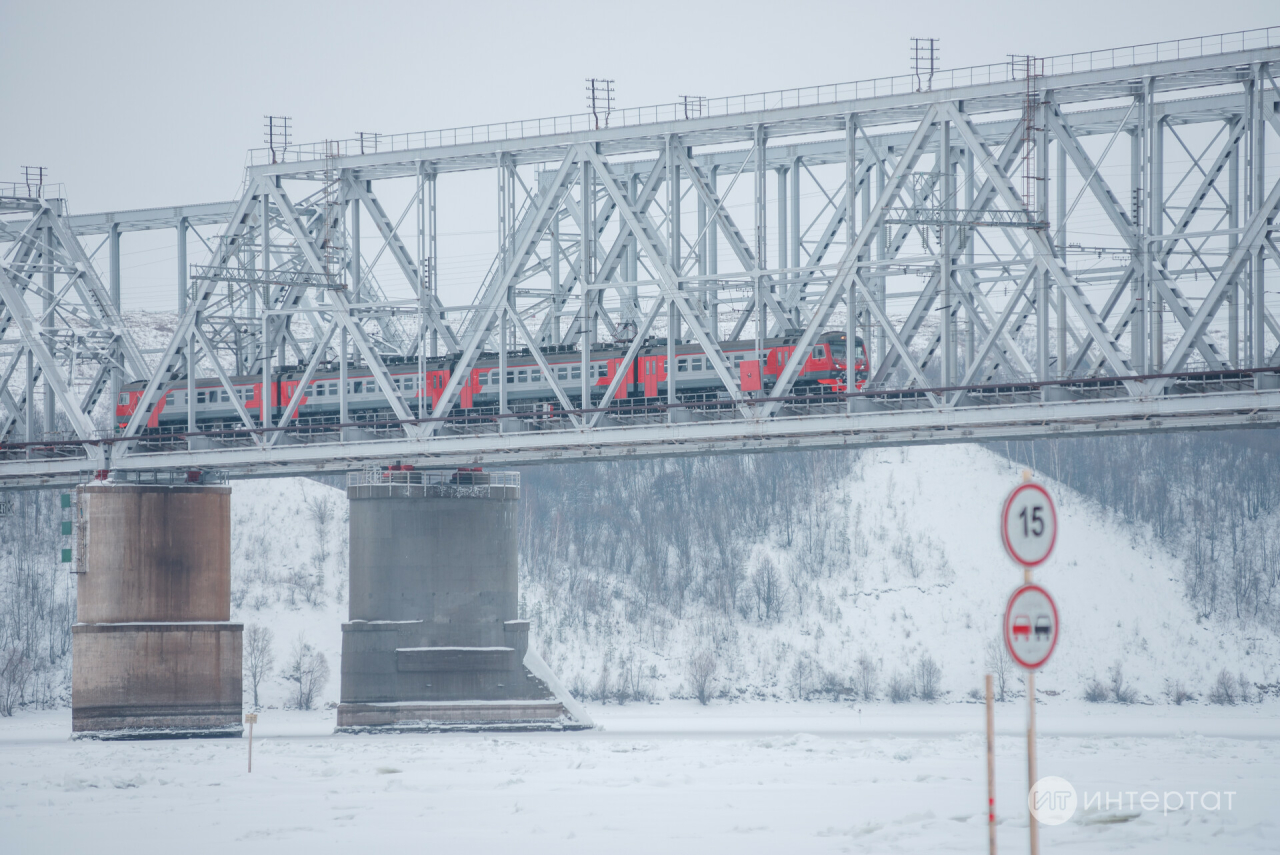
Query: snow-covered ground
674, 777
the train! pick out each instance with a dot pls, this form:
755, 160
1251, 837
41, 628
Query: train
825, 371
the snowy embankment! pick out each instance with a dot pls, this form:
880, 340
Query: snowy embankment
926, 577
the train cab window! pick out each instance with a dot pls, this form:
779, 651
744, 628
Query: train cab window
695, 364
837, 349
522, 376
819, 352
682, 365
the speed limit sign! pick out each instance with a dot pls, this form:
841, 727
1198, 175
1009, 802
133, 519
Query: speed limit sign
1029, 524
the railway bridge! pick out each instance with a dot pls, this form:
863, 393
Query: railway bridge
1059, 246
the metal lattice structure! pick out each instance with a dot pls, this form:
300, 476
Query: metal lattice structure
1070, 276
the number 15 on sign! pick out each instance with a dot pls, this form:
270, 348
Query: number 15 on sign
1029, 525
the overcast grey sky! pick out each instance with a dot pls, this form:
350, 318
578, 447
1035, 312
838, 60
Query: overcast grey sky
134, 104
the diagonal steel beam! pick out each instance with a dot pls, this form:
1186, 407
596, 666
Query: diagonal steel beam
847, 275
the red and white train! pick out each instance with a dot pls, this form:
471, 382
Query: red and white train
825, 371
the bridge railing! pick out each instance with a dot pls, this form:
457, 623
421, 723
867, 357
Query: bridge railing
1098, 60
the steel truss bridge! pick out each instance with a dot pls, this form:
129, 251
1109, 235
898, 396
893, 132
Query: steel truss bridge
1073, 245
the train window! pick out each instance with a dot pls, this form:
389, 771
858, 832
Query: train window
562, 373
333, 388
200, 397
357, 387
604, 371
168, 400
484, 379
819, 352
439, 382
575, 372
511, 376
493, 377
664, 366
522, 376
535, 375
318, 391
737, 358
410, 384
682, 365
695, 364
226, 399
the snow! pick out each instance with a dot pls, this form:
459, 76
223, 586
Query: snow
673, 777
754, 771
928, 576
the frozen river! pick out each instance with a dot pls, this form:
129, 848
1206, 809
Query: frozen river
666, 778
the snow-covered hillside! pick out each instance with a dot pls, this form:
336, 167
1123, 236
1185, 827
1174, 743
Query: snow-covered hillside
925, 577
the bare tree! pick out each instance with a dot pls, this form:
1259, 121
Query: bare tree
15, 670
308, 669
259, 656
999, 664
702, 672
928, 676
865, 676
766, 583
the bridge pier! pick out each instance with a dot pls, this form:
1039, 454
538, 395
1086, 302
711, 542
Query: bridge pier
154, 653
434, 641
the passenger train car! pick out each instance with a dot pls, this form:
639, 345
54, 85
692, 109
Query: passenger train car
825, 370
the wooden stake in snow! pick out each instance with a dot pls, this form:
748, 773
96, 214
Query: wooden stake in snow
250, 719
991, 769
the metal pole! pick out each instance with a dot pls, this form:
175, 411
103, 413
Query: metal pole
673, 226
713, 261
557, 298
1154, 249
1259, 136
966, 236
113, 267
342, 376
1233, 222
182, 266
586, 254
433, 255
783, 237
191, 382
991, 769
502, 362
1041, 212
794, 223
671, 357
1061, 217
1032, 775
762, 247
1137, 335
944, 256
851, 299
46, 321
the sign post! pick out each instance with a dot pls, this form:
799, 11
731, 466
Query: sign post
250, 719
1029, 531
991, 770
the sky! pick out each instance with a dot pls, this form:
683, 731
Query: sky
138, 104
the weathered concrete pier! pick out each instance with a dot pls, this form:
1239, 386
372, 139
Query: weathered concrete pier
434, 641
154, 653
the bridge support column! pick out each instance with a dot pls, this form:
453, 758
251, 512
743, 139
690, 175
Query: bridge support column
434, 641
154, 653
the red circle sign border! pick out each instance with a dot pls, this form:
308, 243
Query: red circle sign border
1057, 626
1004, 523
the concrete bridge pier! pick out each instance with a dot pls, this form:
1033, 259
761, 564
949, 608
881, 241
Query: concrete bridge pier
154, 654
434, 640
